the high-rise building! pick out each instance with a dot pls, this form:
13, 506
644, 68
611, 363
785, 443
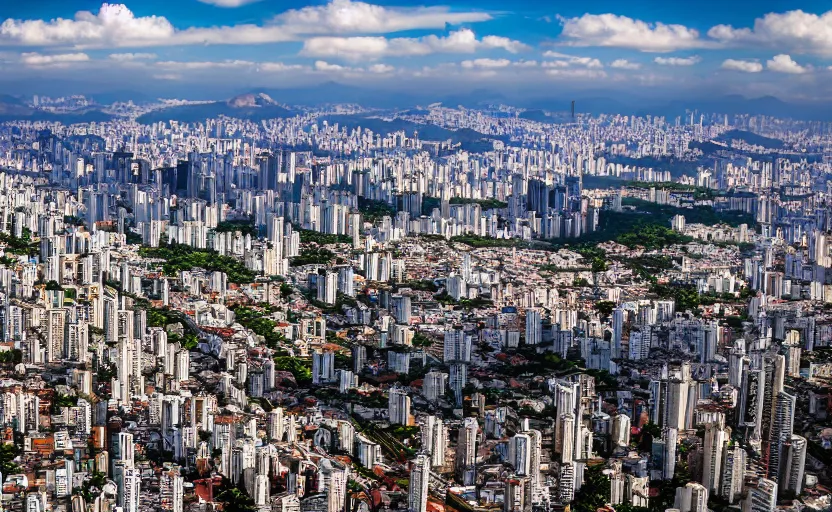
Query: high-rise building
519, 453
534, 327
171, 490
637, 490
466, 452
733, 473
128, 480
323, 367
792, 463
261, 490
433, 385
565, 437
621, 430
399, 407
276, 424
517, 495
457, 347
693, 497
715, 439
617, 331
670, 437
124, 448
402, 309
417, 495
762, 496
781, 429
434, 440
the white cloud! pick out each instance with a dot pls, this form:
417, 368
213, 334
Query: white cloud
326, 66
132, 56
747, 66
228, 3
785, 64
796, 31
190, 65
275, 67
624, 64
677, 61
577, 73
485, 63
571, 60
623, 32
179, 68
381, 69
555, 64
505, 43
348, 17
116, 26
376, 47
37, 59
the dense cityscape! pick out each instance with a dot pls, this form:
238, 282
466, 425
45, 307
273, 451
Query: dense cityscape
437, 309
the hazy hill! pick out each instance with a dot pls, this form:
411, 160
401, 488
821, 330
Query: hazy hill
254, 107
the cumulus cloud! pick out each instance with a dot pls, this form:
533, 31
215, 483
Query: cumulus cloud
116, 26
622, 32
37, 59
746, 66
376, 47
346, 16
114, 23
228, 3
132, 56
321, 65
677, 61
798, 31
571, 60
624, 64
505, 43
785, 64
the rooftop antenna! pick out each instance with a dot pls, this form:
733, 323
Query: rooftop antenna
573, 110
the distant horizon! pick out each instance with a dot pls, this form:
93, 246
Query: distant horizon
589, 102
218, 48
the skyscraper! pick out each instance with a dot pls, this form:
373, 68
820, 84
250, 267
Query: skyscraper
466, 452
792, 463
534, 327
434, 440
519, 453
399, 407
733, 473
715, 438
417, 495
762, 496
781, 431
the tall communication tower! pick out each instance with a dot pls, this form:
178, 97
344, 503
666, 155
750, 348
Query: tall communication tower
573, 109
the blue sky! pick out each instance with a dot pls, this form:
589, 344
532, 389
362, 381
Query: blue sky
752, 48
